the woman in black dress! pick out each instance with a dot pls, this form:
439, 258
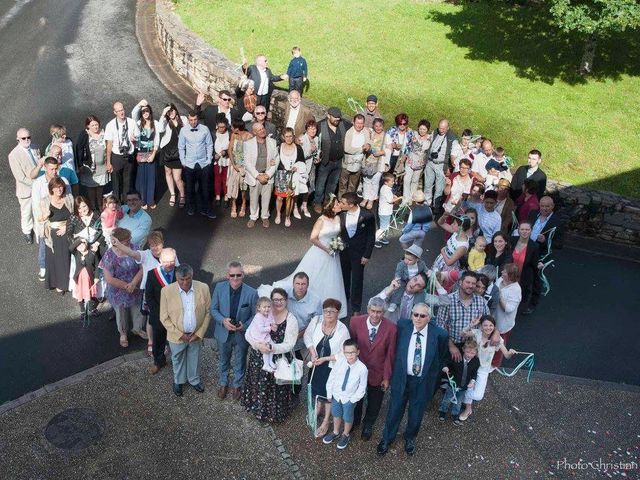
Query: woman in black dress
171, 123
57, 209
261, 395
499, 252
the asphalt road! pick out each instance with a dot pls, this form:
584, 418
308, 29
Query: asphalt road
65, 59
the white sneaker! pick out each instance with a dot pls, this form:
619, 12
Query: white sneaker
41, 274
296, 213
392, 308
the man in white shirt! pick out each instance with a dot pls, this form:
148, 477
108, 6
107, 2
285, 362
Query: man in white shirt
489, 220
184, 312
478, 169
357, 142
119, 135
263, 79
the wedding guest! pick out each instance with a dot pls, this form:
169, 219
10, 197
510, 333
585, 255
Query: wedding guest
147, 134
236, 185
91, 163
171, 122
527, 201
373, 165
260, 118
416, 160
290, 178
85, 277
297, 71
375, 337
499, 252
233, 305
310, 143
261, 395
543, 221
86, 224
260, 161
419, 222
439, 161
531, 171
123, 275
385, 209
505, 206
413, 294
510, 298
263, 79
22, 160
357, 142
371, 112
134, 219
526, 255
184, 312
209, 114
120, 139
296, 115
457, 186
59, 137
221, 139
464, 373
398, 141
246, 100
324, 338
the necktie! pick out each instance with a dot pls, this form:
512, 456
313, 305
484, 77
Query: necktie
33, 159
346, 379
194, 129
372, 334
417, 355
124, 138
463, 380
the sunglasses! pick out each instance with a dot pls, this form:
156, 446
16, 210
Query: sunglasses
403, 123
261, 113
235, 275
419, 315
225, 99
25, 138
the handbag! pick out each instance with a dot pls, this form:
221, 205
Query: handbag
288, 372
143, 157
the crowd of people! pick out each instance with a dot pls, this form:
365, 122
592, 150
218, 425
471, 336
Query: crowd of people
363, 178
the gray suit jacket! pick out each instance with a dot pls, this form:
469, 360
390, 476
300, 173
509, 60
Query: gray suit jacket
221, 306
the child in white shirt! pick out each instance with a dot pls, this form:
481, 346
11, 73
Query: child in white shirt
386, 200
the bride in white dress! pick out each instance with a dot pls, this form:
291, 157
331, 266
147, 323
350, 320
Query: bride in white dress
320, 263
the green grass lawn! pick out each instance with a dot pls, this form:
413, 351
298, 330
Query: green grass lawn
500, 70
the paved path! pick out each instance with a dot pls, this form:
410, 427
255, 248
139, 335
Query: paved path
68, 59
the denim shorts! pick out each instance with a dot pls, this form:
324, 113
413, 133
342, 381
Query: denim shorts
343, 410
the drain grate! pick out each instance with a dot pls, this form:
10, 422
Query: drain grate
75, 429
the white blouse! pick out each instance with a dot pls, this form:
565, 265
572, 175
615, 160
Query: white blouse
313, 334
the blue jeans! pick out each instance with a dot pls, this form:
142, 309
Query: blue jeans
235, 341
343, 410
447, 400
42, 252
327, 177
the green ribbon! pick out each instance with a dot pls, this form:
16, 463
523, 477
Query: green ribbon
454, 388
546, 286
528, 362
354, 105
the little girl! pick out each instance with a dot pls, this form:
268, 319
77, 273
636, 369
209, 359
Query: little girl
85, 277
111, 213
260, 330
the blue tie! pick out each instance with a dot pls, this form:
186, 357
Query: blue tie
346, 379
417, 355
372, 334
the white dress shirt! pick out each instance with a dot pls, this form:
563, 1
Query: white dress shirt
293, 116
188, 310
112, 133
412, 349
370, 326
263, 88
351, 222
356, 383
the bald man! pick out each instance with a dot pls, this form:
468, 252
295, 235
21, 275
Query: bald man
22, 160
543, 221
119, 135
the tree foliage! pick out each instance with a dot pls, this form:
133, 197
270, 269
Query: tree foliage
596, 18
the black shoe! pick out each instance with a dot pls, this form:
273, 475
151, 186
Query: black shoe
410, 446
529, 310
210, 215
442, 416
191, 211
456, 421
198, 387
383, 448
28, 237
177, 389
366, 433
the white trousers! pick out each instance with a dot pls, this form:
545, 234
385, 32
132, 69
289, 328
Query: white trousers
371, 187
26, 215
477, 392
410, 184
259, 198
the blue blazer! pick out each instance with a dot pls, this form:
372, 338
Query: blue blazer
436, 354
221, 306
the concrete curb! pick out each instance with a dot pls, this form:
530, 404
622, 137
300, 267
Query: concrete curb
147, 35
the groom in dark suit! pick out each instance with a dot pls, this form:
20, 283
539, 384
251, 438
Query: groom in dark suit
357, 230
421, 349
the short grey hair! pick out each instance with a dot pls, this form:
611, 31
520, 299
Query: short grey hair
376, 302
234, 264
490, 271
184, 270
421, 305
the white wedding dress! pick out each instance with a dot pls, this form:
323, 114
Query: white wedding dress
325, 273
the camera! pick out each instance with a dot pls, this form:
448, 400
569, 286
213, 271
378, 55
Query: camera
434, 155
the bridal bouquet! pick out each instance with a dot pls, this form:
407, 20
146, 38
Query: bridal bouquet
336, 245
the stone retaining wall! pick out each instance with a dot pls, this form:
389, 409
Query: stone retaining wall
590, 212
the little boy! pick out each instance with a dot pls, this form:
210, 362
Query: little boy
260, 331
464, 375
410, 266
297, 70
477, 254
386, 200
346, 386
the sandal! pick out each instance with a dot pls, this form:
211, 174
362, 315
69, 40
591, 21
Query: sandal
234, 214
242, 212
172, 200
149, 349
124, 342
182, 202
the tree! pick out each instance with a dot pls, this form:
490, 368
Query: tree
593, 20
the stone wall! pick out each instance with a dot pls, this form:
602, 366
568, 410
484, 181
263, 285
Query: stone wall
588, 212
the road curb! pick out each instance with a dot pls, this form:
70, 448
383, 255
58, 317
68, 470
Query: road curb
154, 55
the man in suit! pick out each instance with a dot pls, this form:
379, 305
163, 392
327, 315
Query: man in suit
184, 312
157, 279
530, 171
421, 349
263, 79
357, 229
22, 159
414, 293
376, 338
232, 307
542, 222
261, 158
209, 114
296, 115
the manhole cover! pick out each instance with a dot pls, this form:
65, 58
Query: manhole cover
75, 429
